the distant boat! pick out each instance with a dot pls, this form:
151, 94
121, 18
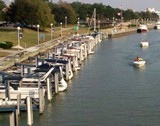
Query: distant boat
157, 25
142, 28
139, 62
144, 43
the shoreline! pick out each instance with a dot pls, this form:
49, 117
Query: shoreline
110, 33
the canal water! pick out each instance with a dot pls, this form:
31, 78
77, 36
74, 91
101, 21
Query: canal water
109, 90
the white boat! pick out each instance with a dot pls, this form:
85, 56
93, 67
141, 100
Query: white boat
62, 86
33, 92
74, 60
139, 62
142, 28
157, 25
144, 43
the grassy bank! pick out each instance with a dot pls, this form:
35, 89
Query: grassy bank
30, 37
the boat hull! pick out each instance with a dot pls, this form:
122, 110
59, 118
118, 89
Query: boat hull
157, 27
139, 63
144, 44
141, 30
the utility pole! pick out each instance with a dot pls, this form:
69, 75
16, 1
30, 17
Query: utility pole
94, 17
121, 12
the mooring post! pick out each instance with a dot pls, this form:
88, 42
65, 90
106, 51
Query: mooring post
7, 89
36, 61
22, 70
74, 63
41, 100
81, 56
13, 118
49, 87
29, 111
56, 82
67, 71
85, 51
16, 117
18, 103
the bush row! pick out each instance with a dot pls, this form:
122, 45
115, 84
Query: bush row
6, 45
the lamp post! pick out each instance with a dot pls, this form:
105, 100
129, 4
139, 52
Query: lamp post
38, 33
113, 21
18, 28
99, 24
51, 30
77, 27
65, 21
61, 28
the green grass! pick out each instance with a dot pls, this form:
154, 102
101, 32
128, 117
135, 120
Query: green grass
30, 37
3, 54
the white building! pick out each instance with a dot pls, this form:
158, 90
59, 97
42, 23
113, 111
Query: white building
151, 10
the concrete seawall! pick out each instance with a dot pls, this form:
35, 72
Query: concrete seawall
113, 33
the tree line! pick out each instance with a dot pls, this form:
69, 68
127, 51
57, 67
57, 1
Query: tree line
45, 12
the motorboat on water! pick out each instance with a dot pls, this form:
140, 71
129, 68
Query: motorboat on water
157, 25
62, 83
143, 28
144, 43
24, 91
139, 62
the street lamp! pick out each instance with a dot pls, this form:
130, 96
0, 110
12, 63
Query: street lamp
61, 28
38, 33
65, 21
77, 27
99, 24
18, 28
113, 21
51, 30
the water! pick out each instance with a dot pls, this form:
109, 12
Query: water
108, 90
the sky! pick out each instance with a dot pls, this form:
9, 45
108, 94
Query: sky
136, 5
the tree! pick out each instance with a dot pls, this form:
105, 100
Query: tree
63, 9
31, 12
2, 10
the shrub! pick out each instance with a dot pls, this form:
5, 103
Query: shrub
6, 45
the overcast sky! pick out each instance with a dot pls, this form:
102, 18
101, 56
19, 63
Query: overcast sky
137, 5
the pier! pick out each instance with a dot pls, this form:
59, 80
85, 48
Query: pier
44, 73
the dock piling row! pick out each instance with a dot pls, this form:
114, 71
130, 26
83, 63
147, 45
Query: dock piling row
46, 73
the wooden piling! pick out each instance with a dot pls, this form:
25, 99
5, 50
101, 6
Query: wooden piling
41, 100
7, 89
49, 87
29, 111
56, 82
18, 103
67, 71
74, 63
13, 118
22, 70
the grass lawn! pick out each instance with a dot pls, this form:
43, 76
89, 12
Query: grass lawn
3, 54
30, 37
